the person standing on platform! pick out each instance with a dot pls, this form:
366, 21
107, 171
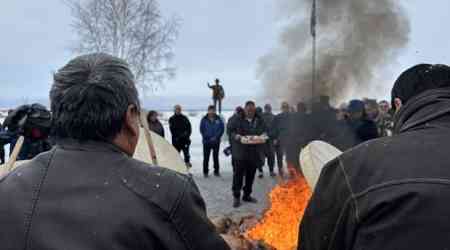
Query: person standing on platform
218, 95
247, 157
211, 129
181, 130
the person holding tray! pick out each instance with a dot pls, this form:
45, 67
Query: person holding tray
248, 138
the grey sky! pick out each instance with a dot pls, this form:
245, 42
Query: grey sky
218, 38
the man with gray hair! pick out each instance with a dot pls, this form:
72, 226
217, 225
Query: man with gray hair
88, 192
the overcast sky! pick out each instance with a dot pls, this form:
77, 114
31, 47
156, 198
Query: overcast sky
218, 38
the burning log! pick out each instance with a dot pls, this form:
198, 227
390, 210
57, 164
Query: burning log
278, 228
233, 233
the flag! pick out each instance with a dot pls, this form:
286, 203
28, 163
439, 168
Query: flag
313, 19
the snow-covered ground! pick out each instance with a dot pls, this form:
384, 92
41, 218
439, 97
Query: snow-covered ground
217, 191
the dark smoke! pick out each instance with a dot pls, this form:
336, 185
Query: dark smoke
357, 41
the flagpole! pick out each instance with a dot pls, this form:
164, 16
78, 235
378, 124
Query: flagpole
314, 65
314, 50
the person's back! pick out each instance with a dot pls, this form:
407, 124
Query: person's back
268, 118
88, 192
300, 131
92, 196
324, 122
355, 128
390, 193
281, 125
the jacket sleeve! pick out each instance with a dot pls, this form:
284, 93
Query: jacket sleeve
330, 219
275, 126
192, 224
202, 127
171, 127
222, 128
229, 123
188, 127
263, 128
233, 129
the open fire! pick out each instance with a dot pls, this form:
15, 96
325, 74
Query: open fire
279, 226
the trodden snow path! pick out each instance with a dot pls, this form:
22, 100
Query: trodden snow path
217, 191
218, 196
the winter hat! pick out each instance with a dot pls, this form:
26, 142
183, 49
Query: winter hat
356, 106
418, 79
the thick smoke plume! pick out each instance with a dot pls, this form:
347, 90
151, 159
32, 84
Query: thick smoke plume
357, 41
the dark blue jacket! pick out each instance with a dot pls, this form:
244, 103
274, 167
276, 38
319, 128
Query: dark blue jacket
212, 131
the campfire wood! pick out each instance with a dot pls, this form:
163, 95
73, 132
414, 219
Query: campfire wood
233, 231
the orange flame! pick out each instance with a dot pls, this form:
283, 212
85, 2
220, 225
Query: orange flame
279, 226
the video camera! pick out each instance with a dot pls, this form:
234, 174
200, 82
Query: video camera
32, 121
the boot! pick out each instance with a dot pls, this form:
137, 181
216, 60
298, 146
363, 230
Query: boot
249, 199
281, 173
236, 202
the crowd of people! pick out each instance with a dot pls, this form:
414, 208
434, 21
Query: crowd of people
87, 192
287, 133
390, 193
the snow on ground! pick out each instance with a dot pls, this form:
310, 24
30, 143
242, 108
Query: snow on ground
217, 191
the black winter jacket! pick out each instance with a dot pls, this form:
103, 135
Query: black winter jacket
280, 126
241, 126
300, 134
391, 193
353, 133
91, 196
269, 119
181, 130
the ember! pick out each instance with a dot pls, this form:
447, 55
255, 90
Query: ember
279, 226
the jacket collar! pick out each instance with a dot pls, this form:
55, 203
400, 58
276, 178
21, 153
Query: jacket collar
430, 107
92, 146
216, 117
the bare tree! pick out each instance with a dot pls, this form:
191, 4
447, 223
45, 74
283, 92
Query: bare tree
130, 29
